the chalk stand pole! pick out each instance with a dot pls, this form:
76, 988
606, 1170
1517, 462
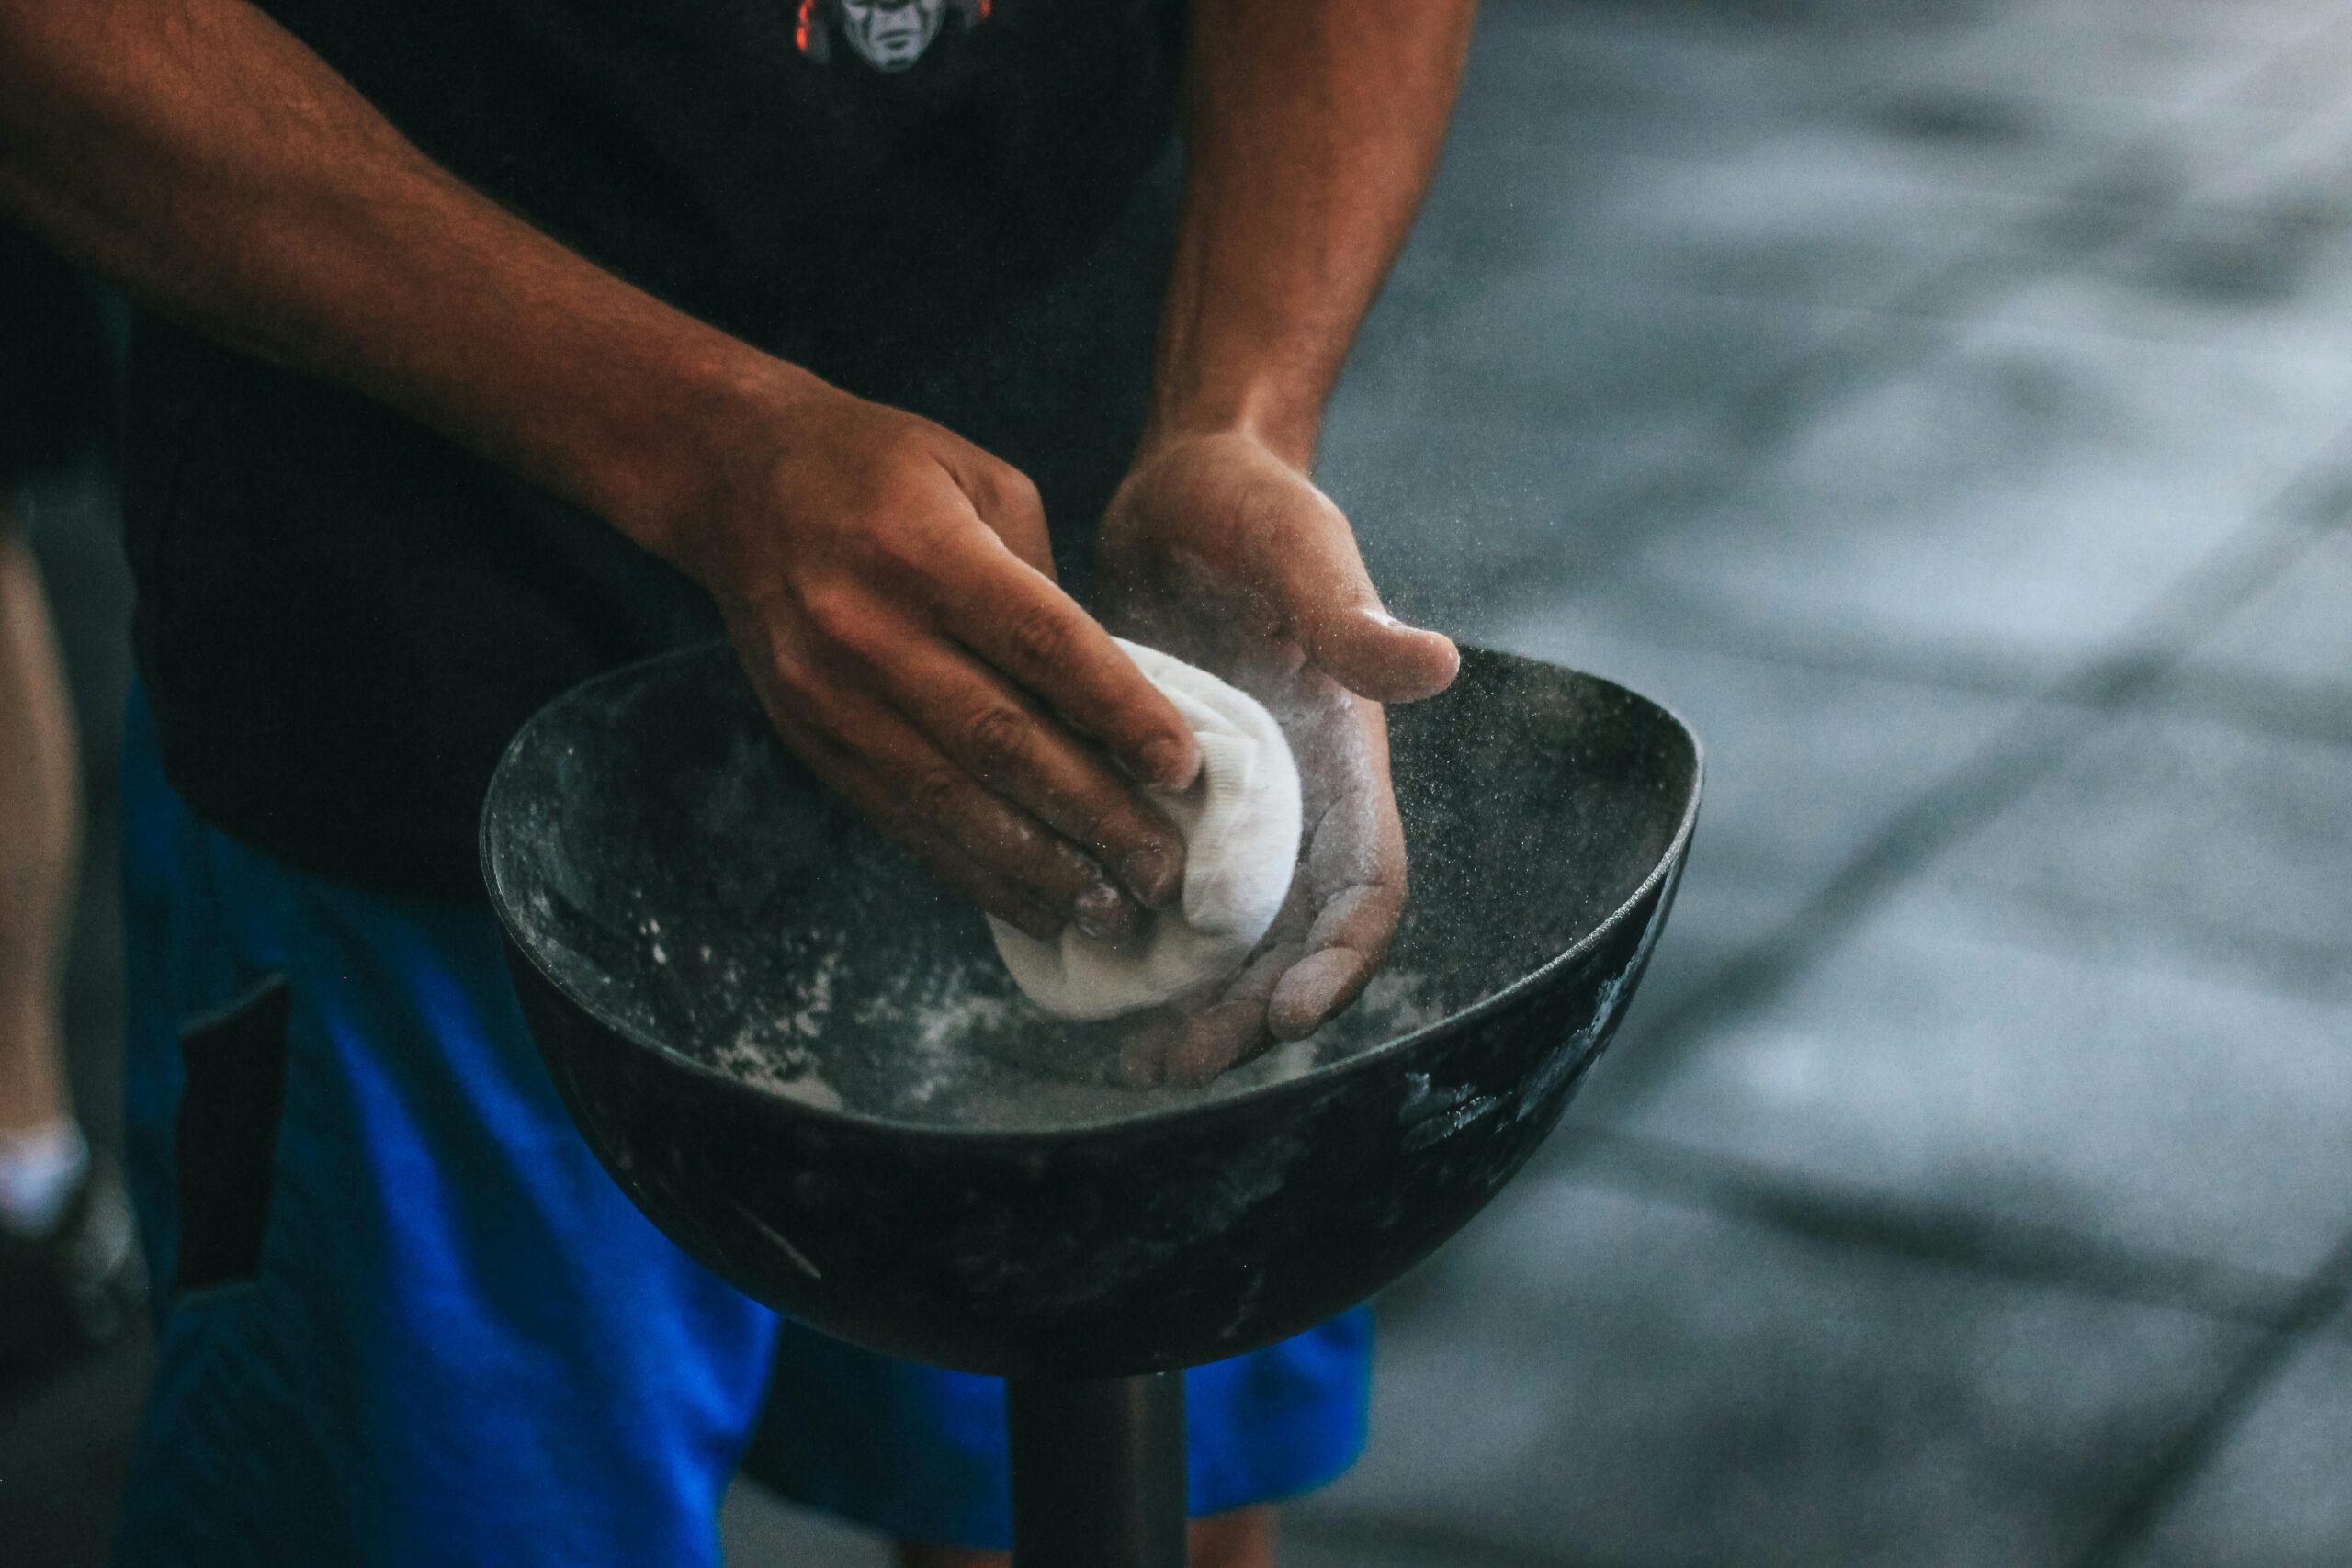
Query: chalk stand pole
1099, 1475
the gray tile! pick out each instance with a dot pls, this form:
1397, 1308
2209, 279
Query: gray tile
1803, 764
2280, 21
756, 1530
1984, 128
1650, 79
2108, 99
2272, 1496
1305, 1546
2293, 148
2227, 846
2265, 282
2022, 496
1942, 1057
1479, 430
1834, 219
2297, 634
1717, 918
1597, 1377
2061, 56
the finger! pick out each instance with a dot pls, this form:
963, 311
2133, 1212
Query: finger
1315, 991
1355, 921
1143, 1057
1008, 502
1340, 955
1001, 740
1232, 1028
1322, 591
1216, 1040
856, 784
1012, 865
1039, 637
918, 783
993, 894
1356, 871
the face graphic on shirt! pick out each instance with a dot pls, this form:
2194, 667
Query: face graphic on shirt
891, 34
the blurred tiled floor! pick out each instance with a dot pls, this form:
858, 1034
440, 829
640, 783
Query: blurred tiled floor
1947, 404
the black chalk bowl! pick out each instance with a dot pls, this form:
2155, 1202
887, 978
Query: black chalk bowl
801, 1058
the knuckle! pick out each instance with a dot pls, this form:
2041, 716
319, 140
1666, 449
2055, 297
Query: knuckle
1041, 639
1016, 491
901, 446
932, 794
1107, 825
996, 737
835, 609
908, 541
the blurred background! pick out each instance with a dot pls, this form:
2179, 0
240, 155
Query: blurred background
1945, 405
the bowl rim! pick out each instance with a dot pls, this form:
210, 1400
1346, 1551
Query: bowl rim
1160, 1118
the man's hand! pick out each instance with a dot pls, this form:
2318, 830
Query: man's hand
889, 588
1311, 130
886, 583
1221, 553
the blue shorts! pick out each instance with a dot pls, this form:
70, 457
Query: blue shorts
405, 1317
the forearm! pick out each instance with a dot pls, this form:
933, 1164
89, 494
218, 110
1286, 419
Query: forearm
1313, 127
203, 157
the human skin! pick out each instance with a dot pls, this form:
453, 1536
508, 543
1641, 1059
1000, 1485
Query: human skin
39, 831
886, 584
1312, 130
1313, 127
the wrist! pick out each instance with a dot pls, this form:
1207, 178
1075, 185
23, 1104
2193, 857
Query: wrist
1285, 424
694, 431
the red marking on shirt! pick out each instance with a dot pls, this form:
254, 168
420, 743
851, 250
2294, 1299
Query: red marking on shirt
800, 27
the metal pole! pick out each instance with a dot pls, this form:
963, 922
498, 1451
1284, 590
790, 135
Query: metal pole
1097, 1472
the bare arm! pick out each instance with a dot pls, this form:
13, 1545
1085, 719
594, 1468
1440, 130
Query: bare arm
1315, 126
202, 155
1313, 129
886, 584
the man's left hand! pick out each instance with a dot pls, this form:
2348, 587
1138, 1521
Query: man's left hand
1219, 551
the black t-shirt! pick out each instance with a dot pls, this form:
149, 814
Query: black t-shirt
959, 207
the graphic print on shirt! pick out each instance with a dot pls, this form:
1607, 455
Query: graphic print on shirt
888, 35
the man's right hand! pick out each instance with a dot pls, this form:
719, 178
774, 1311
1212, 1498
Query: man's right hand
886, 583
889, 589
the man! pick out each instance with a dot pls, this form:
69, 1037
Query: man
490, 343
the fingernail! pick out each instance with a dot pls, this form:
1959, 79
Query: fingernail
1100, 911
1150, 872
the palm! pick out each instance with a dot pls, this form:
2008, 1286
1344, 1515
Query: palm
1220, 554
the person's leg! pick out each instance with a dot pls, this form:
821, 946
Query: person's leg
1242, 1539
69, 1272
39, 837
405, 1316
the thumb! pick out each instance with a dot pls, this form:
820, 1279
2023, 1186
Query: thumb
1336, 615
